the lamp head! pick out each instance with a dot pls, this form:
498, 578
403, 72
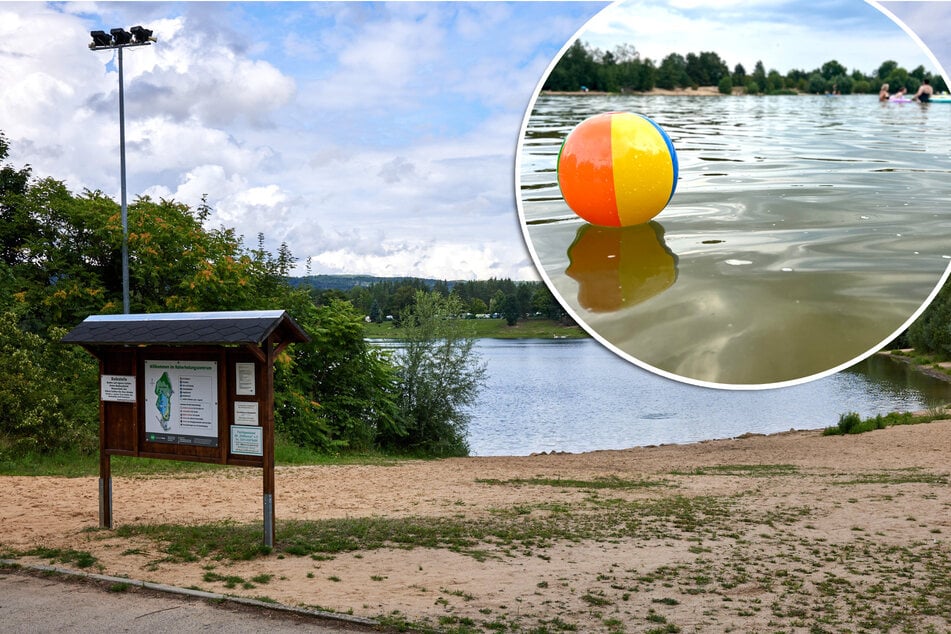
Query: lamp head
142, 35
121, 36
100, 39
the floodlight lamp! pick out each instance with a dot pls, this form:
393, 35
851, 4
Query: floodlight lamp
121, 36
142, 35
100, 38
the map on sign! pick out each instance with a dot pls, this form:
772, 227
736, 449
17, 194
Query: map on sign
181, 402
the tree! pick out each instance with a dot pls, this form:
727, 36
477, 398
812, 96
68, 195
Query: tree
509, 309
575, 69
885, 69
439, 376
336, 391
48, 398
16, 224
739, 75
759, 76
672, 72
774, 81
832, 69
931, 332
726, 85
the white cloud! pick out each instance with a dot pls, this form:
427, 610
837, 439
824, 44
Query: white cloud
380, 136
783, 35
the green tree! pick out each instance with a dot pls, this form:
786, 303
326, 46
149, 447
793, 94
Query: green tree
336, 391
726, 85
575, 69
739, 75
817, 85
16, 224
832, 69
439, 377
510, 310
49, 392
885, 69
759, 76
931, 332
672, 72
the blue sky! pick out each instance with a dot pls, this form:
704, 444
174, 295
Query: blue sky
375, 138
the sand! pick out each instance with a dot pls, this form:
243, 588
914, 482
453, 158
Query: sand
789, 532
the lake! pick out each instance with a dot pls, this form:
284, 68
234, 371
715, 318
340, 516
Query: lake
575, 395
805, 232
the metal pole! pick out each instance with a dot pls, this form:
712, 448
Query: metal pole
125, 209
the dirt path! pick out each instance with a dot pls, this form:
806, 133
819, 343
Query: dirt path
789, 532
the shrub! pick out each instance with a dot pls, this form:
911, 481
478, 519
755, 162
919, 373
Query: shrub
48, 395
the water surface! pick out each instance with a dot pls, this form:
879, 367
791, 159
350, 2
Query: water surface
805, 232
575, 396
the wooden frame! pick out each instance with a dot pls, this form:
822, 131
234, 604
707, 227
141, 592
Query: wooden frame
122, 423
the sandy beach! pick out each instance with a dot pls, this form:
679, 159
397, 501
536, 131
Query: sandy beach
793, 532
699, 91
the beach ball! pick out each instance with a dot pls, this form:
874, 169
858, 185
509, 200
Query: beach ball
617, 169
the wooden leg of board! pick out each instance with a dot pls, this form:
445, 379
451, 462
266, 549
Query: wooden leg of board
105, 491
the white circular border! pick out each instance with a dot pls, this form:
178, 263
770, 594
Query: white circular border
637, 362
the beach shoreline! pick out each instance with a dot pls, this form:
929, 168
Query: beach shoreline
711, 536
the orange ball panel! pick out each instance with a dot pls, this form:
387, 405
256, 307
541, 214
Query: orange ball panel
586, 172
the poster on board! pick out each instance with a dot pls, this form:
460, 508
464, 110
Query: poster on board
181, 402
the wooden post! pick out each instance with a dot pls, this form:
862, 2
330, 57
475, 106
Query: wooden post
105, 464
268, 422
105, 491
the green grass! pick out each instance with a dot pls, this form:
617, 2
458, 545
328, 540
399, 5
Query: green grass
611, 482
75, 464
493, 329
753, 470
525, 527
81, 558
852, 423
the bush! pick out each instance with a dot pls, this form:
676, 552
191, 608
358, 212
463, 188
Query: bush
726, 85
49, 392
439, 376
848, 422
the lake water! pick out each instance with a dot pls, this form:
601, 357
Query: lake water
575, 395
805, 231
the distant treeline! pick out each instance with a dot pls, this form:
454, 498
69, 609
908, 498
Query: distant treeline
623, 70
383, 299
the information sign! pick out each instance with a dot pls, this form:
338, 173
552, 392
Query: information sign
117, 388
247, 441
246, 413
181, 402
244, 379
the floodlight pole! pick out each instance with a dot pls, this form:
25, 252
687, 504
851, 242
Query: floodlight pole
123, 205
141, 38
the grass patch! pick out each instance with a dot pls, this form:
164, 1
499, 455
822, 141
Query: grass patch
611, 482
853, 423
526, 527
492, 329
219, 540
80, 558
912, 475
76, 464
753, 470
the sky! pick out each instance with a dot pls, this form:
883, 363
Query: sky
371, 138
783, 34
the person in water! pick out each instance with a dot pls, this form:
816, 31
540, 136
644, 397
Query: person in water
924, 91
900, 95
883, 93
